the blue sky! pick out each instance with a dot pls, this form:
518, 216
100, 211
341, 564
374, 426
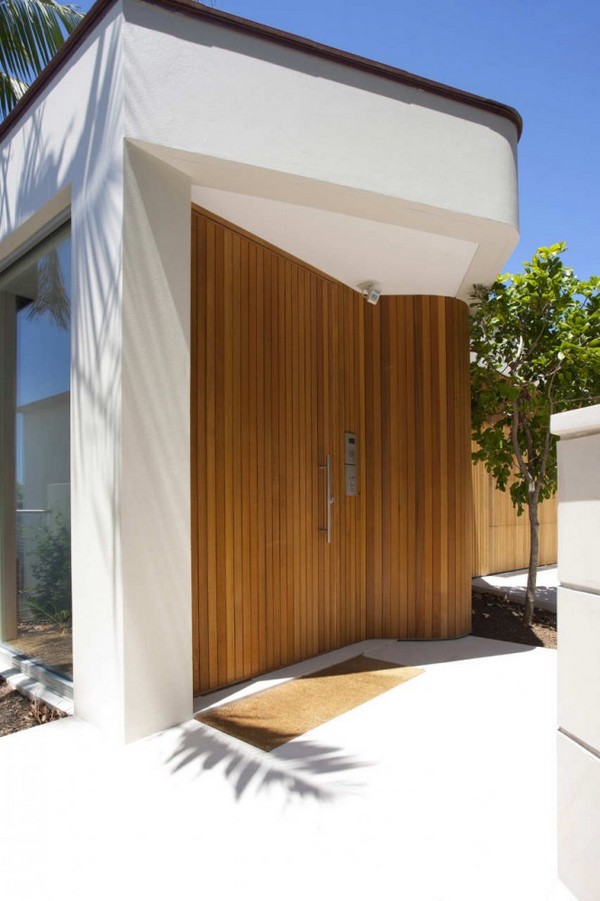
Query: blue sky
541, 58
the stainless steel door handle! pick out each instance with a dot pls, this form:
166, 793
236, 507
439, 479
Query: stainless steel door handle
329, 498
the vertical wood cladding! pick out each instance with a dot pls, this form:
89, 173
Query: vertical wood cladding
285, 360
500, 537
418, 479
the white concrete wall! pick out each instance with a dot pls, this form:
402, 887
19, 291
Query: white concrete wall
399, 171
579, 650
155, 517
67, 138
46, 449
66, 152
46, 476
132, 640
237, 97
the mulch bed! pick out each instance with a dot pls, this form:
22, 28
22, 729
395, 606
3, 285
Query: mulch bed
14, 710
493, 617
17, 712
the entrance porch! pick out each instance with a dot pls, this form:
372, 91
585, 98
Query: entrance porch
442, 788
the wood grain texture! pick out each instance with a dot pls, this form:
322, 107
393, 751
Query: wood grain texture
500, 537
285, 361
418, 489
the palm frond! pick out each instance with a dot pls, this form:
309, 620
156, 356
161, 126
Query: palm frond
31, 32
52, 300
11, 90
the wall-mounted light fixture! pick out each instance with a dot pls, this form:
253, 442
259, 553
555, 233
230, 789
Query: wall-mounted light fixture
369, 291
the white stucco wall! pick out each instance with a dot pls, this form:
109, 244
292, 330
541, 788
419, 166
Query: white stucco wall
155, 511
238, 97
69, 137
578, 650
129, 419
67, 151
381, 162
46, 449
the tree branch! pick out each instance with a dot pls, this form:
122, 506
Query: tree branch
545, 455
515, 443
529, 440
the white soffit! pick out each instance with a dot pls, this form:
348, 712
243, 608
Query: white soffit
350, 249
352, 235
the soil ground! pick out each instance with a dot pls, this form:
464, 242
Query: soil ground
493, 617
17, 712
14, 710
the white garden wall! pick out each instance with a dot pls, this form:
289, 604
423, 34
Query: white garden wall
579, 650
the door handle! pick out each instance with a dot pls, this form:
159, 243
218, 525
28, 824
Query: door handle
329, 497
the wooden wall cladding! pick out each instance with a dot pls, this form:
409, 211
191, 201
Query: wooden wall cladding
284, 361
418, 478
274, 385
500, 537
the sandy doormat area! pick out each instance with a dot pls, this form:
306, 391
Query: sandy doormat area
277, 715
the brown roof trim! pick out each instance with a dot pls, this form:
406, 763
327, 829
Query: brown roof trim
227, 20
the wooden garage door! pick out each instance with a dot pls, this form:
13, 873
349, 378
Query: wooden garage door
277, 352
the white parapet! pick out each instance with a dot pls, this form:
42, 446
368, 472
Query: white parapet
579, 650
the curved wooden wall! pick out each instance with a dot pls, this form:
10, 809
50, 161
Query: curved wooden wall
419, 470
284, 361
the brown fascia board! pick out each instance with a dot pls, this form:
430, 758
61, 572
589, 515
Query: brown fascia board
226, 20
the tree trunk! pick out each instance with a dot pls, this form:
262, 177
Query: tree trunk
534, 554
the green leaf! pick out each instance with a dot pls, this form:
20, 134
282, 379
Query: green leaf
31, 32
535, 336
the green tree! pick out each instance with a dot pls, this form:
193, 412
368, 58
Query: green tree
31, 32
535, 343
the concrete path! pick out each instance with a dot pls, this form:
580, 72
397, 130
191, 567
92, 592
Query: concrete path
442, 789
513, 585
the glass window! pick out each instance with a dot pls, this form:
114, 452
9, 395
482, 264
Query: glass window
35, 330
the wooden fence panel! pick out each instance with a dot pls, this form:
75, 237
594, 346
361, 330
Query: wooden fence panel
500, 537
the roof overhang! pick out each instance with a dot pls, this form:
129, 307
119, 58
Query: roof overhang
199, 12
353, 236
366, 172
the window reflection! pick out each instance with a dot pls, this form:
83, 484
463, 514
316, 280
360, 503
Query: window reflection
38, 290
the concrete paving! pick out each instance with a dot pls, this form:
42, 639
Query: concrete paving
442, 789
513, 585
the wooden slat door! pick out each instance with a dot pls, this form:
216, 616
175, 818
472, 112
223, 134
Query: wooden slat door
341, 408
275, 363
284, 361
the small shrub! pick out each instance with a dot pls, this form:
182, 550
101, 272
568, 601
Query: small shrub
50, 598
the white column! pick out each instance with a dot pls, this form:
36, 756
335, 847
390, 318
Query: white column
131, 451
96, 437
155, 512
579, 650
